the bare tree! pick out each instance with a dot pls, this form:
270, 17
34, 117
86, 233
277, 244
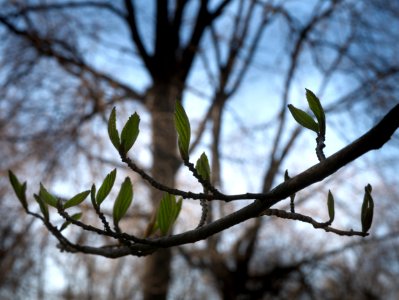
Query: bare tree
54, 56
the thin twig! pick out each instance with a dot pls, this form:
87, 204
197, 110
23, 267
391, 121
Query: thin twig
306, 219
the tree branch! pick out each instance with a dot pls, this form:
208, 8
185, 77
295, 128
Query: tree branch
306, 219
74, 65
135, 34
373, 139
66, 5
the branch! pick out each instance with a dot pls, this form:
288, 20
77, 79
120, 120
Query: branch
203, 20
132, 22
67, 5
306, 219
294, 60
373, 139
44, 46
131, 245
218, 11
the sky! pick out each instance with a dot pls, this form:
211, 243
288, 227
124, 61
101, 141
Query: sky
247, 131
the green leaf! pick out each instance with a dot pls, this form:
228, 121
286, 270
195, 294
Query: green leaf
47, 197
106, 187
19, 189
76, 217
367, 209
182, 125
43, 206
203, 168
317, 109
168, 212
331, 206
76, 200
164, 215
130, 132
93, 195
303, 118
112, 131
177, 208
123, 200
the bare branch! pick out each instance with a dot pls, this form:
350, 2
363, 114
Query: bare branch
132, 22
306, 219
26, 8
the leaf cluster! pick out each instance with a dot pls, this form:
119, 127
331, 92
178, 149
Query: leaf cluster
307, 121
172, 200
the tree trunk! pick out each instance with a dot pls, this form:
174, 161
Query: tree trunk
160, 103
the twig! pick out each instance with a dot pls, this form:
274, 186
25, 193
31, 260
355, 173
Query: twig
306, 219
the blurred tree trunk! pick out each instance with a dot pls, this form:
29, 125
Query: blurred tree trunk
160, 101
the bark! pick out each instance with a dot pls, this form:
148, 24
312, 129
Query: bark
160, 102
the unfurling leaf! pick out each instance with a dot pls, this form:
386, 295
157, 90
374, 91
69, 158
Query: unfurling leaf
47, 197
286, 176
106, 187
168, 212
367, 209
42, 205
317, 109
19, 189
123, 200
76, 217
331, 206
177, 208
112, 131
76, 200
93, 195
130, 132
183, 129
303, 118
203, 168
292, 197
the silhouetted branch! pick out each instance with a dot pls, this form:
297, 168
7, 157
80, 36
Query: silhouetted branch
373, 139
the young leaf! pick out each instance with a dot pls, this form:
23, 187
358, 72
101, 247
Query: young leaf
177, 208
292, 197
106, 187
93, 195
286, 176
317, 109
47, 197
130, 132
167, 212
303, 118
367, 209
182, 125
123, 200
19, 189
43, 206
76, 200
203, 168
112, 131
330, 205
164, 218
76, 217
